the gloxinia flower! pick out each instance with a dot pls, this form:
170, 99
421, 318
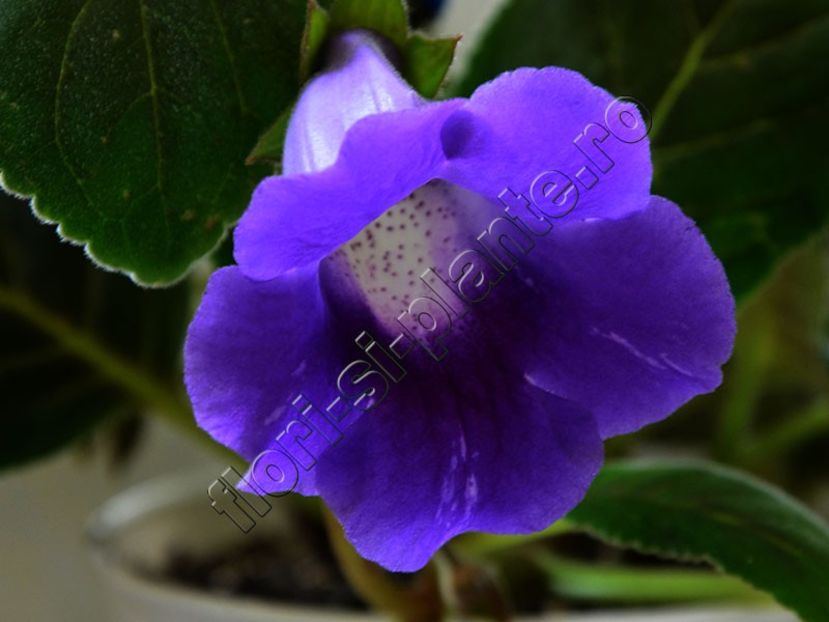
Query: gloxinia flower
441, 309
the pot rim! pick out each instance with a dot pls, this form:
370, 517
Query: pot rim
135, 503
132, 505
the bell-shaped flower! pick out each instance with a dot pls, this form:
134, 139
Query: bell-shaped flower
441, 309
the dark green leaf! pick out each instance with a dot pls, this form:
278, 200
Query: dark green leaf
739, 91
129, 122
79, 345
704, 512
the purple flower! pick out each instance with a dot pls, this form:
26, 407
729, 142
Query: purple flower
561, 308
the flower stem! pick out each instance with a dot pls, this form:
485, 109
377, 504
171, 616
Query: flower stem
407, 599
688, 68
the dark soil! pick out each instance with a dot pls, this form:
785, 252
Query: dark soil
301, 569
298, 570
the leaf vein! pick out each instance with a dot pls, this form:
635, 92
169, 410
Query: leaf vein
153, 79
64, 67
231, 59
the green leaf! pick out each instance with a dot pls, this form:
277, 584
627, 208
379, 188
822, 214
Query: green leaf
129, 122
386, 17
738, 94
80, 346
595, 582
426, 62
701, 511
317, 25
270, 144
423, 61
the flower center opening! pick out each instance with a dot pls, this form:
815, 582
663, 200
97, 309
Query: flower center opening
383, 264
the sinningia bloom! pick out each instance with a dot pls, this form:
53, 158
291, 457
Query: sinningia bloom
441, 309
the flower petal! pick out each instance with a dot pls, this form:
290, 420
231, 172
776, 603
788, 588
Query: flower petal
640, 316
455, 452
527, 122
297, 220
362, 82
251, 349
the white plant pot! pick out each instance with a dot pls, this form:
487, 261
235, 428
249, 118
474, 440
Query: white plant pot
138, 527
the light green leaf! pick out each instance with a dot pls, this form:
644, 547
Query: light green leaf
426, 62
386, 17
270, 144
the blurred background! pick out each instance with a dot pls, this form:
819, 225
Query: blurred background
47, 573
742, 153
